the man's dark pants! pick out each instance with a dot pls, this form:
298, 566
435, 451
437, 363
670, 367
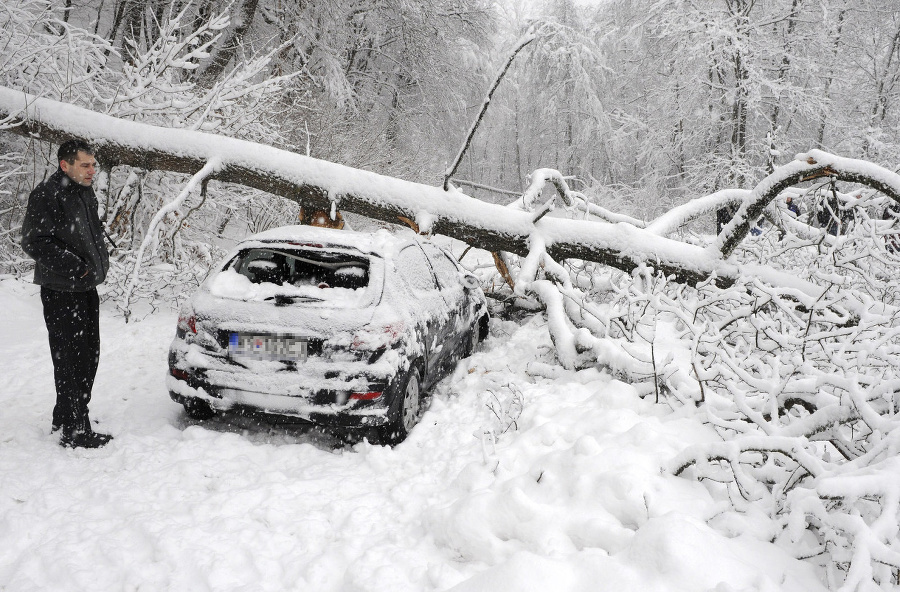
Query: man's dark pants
73, 324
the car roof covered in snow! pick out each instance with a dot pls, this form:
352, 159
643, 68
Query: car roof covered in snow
377, 243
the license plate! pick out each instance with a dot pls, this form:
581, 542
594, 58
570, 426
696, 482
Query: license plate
267, 347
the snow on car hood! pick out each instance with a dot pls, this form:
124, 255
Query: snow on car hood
231, 285
301, 318
364, 316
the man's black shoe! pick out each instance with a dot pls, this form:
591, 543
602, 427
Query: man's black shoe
84, 440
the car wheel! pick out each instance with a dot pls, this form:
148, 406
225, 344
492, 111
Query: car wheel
408, 413
198, 409
474, 337
472, 345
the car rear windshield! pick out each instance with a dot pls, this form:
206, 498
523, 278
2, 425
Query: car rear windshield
288, 276
320, 269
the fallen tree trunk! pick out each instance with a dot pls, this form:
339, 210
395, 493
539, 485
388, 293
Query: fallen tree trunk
317, 184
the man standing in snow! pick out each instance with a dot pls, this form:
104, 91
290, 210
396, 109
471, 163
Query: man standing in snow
892, 213
792, 207
63, 234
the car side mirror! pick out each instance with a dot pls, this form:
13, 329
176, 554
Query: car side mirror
470, 282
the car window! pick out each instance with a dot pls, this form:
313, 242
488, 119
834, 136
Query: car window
445, 269
303, 268
412, 264
261, 266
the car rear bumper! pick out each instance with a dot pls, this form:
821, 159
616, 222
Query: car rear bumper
301, 409
344, 391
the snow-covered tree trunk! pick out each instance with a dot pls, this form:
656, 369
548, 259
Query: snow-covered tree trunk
316, 183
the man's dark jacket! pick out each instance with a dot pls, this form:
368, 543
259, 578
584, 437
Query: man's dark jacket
63, 234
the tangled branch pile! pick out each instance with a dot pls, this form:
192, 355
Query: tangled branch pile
801, 388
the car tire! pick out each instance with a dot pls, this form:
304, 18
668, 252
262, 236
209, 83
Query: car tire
198, 409
409, 409
475, 337
473, 340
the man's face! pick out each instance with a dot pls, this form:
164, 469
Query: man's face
82, 170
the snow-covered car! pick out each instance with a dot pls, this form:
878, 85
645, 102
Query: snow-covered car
338, 328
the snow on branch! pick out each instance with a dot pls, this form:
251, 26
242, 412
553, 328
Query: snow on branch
571, 199
151, 238
702, 206
732, 450
805, 167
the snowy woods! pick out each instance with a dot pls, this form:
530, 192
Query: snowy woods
594, 179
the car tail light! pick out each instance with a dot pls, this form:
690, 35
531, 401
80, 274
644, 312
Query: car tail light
369, 396
394, 330
179, 374
373, 339
187, 323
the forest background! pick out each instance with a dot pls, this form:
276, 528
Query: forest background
643, 104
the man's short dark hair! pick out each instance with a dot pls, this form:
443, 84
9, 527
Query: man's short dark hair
69, 150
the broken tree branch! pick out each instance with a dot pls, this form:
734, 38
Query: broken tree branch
528, 38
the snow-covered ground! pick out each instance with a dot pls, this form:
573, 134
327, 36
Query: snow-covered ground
521, 476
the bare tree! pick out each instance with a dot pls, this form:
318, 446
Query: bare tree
227, 48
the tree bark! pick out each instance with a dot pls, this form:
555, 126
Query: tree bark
829, 78
228, 47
